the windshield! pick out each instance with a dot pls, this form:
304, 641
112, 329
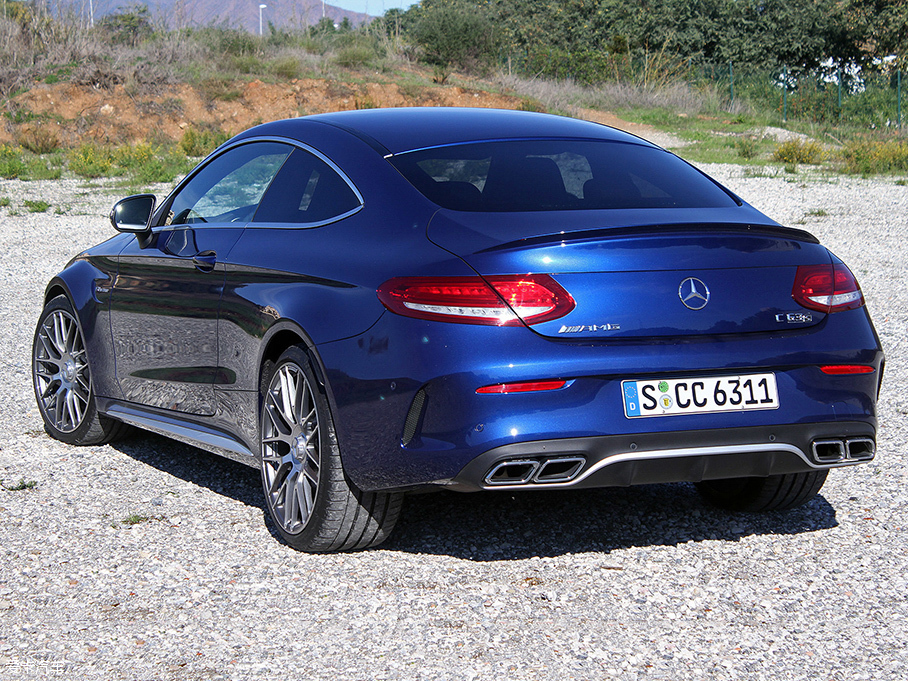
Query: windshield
544, 175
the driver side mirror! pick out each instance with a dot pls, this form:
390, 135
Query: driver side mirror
132, 215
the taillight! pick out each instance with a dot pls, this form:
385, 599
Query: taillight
497, 301
826, 288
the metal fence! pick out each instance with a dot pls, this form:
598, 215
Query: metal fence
871, 99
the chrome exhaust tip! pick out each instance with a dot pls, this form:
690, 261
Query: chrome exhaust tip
513, 472
560, 469
828, 451
860, 448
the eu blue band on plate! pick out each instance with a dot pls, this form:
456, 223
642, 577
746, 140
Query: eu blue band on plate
631, 401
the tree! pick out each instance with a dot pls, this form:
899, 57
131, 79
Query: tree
882, 27
128, 26
455, 34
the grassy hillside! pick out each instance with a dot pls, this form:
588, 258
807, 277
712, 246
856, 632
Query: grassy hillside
129, 98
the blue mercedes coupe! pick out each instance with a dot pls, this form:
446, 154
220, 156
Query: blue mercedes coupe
367, 303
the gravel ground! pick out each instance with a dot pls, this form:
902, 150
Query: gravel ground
640, 583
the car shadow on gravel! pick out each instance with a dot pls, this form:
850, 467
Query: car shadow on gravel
504, 526
222, 476
498, 526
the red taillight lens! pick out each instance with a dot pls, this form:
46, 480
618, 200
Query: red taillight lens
526, 387
497, 301
826, 288
846, 369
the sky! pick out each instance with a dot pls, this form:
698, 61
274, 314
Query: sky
373, 7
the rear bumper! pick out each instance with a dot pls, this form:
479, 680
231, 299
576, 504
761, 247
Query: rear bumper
408, 415
647, 458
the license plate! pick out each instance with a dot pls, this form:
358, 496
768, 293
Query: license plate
704, 395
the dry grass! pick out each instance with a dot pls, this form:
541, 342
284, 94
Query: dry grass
566, 96
39, 48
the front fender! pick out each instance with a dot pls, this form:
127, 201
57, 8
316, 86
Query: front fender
87, 282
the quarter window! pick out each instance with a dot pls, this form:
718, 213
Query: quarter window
306, 190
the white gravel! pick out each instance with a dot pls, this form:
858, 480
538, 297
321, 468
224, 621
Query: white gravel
639, 583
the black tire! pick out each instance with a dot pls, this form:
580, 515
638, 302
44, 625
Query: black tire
315, 507
61, 377
773, 493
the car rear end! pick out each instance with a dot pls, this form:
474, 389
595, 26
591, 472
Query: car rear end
638, 323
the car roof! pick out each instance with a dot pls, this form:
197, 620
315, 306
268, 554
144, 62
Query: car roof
408, 129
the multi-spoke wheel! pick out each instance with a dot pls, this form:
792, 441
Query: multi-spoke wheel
62, 379
316, 508
290, 448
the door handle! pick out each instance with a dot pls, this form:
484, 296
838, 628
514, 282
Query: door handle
205, 261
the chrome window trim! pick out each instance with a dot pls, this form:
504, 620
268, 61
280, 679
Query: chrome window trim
266, 225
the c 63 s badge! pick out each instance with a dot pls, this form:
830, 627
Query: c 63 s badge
794, 318
589, 328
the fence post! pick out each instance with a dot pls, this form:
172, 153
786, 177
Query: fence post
840, 93
731, 81
899, 87
785, 94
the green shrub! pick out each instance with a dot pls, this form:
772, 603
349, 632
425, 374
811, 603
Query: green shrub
747, 147
285, 67
354, 56
228, 41
247, 63
201, 142
133, 157
797, 151
868, 156
147, 164
11, 164
91, 160
163, 167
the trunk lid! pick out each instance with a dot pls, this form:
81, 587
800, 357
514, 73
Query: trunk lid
632, 277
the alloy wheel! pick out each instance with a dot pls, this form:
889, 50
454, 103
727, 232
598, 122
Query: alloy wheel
291, 455
61, 371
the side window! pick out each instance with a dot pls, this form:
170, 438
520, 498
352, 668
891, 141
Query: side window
230, 187
306, 190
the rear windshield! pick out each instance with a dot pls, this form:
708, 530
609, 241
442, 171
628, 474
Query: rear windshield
540, 175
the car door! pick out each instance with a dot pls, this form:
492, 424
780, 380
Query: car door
165, 300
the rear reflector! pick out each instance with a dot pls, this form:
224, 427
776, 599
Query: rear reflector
843, 369
826, 288
527, 387
497, 301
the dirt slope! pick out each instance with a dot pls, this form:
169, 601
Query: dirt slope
76, 113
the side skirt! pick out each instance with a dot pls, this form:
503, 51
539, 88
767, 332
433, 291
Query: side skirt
183, 430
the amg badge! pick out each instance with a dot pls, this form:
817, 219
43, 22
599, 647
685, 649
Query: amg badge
589, 328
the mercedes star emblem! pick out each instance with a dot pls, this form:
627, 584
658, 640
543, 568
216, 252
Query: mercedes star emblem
693, 293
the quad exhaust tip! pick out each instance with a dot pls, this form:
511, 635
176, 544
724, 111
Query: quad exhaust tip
841, 450
535, 471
